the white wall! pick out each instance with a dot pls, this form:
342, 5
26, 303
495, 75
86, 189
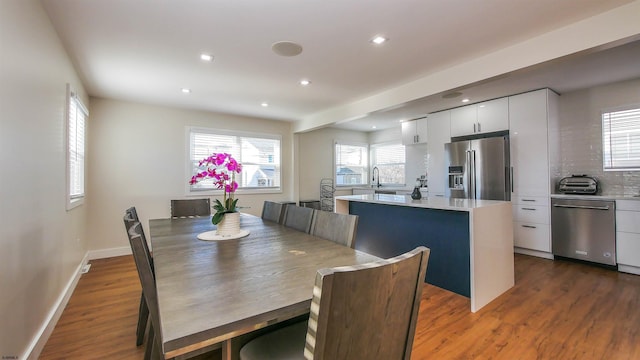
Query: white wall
315, 158
137, 158
42, 243
580, 135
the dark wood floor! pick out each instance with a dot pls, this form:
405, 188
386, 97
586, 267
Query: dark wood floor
557, 310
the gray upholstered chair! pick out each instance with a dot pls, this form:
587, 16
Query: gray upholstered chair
273, 211
299, 218
190, 208
340, 228
131, 215
364, 311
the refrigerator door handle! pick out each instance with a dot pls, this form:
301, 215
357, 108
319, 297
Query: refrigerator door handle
471, 174
511, 179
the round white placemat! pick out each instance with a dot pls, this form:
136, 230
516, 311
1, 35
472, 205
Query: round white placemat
213, 236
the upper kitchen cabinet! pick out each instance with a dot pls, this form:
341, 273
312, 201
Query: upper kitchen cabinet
414, 132
529, 115
480, 118
438, 134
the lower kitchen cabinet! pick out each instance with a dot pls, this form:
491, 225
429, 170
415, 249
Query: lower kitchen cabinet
532, 225
628, 236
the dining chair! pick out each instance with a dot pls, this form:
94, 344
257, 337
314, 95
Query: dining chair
366, 311
299, 218
131, 215
144, 265
273, 211
339, 228
190, 208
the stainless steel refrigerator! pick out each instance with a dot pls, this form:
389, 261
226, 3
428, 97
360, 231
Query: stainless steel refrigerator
478, 169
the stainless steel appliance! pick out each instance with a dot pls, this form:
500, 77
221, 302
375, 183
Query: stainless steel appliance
578, 184
478, 169
584, 229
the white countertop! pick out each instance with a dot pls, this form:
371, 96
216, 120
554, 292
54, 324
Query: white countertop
439, 203
595, 197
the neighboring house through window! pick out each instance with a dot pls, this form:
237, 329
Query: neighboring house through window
351, 164
259, 154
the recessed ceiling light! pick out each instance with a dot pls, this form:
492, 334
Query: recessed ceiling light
264, 104
206, 57
186, 91
465, 100
374, 127
305, 82
378, 40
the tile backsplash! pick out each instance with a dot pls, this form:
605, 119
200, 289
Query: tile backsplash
578, 136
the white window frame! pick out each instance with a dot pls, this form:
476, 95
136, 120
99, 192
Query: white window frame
365, 165
75, 137
190, 191
609, 160
373, 162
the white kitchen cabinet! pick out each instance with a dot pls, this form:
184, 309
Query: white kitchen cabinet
480, 118
628, 236
438, 134
414, 132
529, 115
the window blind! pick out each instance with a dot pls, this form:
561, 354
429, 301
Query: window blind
259, 156
390, 160
76, 146
621, 140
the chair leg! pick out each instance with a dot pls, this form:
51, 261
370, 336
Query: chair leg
143, 315
150, 344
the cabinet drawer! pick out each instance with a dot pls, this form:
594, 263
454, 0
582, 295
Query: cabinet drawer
628, 248
532, 236
628, 221
531, 213
630, 205
530, 200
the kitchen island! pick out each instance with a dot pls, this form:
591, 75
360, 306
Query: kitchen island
471, 241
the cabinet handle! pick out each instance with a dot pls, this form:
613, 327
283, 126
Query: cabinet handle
417, 138
529, 209
529, 226
474, 127
531, 200
479, 128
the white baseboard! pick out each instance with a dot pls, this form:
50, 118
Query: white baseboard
40, 340
529, 252
107, 253
629, 269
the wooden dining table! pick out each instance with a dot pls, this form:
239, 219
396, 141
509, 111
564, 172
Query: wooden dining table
211, 292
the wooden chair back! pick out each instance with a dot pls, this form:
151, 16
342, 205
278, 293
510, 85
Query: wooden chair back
190, 208
339, 228
147, 280
367, 311
273, 211
299, 218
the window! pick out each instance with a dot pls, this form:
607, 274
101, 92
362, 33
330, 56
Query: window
389, 159
76, 119
621, 140
351, 164
259, 155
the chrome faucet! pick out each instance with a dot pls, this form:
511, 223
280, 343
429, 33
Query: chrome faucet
376, 176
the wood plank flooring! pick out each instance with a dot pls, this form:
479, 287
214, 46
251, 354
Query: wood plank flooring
557, 310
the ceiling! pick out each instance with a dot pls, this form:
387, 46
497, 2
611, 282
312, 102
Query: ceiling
148, 50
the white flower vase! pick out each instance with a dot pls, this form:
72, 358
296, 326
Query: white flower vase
230, 224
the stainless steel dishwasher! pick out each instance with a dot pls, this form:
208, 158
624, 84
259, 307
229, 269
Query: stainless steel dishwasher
584, 229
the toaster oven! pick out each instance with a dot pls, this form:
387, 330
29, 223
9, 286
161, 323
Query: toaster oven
578, 184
